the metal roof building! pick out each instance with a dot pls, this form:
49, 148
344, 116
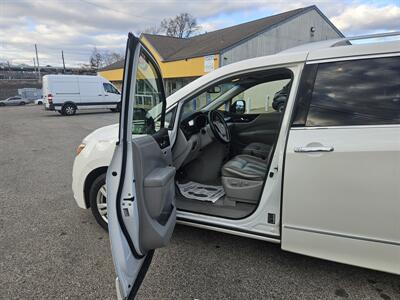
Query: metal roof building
184, 59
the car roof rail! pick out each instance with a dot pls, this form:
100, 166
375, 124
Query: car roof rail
346, 40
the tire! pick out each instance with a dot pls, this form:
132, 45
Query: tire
68, 109
281, 107
40, 103
96, 197
2, 104
22, 103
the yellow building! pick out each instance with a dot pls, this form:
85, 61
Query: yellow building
184, 59
177, 72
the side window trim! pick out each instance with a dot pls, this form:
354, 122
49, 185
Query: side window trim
304, 95
173, 110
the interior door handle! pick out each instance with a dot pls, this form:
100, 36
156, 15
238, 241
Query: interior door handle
314, 149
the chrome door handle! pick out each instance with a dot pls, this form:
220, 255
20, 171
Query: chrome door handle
313, 149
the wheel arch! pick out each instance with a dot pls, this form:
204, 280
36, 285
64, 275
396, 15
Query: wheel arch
89, 180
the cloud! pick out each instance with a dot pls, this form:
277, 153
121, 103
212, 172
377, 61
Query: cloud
366, 18
76, 26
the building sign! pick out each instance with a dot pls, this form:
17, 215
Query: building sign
208, 63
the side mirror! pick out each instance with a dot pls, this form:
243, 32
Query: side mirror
238, 107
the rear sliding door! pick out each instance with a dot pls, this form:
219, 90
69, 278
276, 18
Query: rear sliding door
341, 192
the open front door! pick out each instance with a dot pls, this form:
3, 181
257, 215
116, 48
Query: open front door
140, 178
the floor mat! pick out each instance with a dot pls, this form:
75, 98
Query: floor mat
202, 192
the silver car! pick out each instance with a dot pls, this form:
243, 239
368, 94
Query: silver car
16, 100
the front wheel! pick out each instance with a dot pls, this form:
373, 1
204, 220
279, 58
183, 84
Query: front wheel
281, 107
98, 200
22, 103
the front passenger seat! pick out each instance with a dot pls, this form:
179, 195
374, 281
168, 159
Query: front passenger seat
258, 149
243, 177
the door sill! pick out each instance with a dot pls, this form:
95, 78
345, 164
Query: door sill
229, 230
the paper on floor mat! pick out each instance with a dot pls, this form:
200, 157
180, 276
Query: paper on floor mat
202, 192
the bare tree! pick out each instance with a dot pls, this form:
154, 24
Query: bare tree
96, 59
111, 57
183, 25
100, 59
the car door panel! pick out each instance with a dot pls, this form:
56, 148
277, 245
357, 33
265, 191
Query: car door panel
140, 178
340, 198
337, 199
155, 190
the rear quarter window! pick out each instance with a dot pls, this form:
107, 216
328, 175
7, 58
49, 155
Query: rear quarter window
356, 92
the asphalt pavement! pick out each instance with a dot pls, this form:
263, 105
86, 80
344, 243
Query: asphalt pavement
51, 249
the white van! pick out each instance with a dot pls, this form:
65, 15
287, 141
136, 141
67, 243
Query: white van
67, 93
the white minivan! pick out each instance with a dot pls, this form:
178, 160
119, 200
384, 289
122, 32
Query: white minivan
68, 93
319, 176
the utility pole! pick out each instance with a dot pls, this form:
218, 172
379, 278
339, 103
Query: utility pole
38, 66
62, 54
34, 65
9, 69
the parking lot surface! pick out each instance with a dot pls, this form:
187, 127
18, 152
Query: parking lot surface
51, 249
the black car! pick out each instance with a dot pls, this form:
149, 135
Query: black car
279, 101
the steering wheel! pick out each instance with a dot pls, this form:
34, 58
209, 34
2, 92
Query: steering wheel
218, 126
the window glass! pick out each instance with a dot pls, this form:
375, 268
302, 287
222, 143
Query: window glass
169, 121
251, 93
358, 92
265, 97
199, 102
110, 89
148, 100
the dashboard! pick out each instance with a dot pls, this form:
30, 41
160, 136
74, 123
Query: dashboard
193, 124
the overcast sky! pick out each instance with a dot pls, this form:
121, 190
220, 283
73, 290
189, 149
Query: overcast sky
76, 26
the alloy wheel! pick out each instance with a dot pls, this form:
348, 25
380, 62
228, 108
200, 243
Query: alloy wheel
101, 200
69, 110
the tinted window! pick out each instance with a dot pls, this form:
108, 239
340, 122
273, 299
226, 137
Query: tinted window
358, 92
